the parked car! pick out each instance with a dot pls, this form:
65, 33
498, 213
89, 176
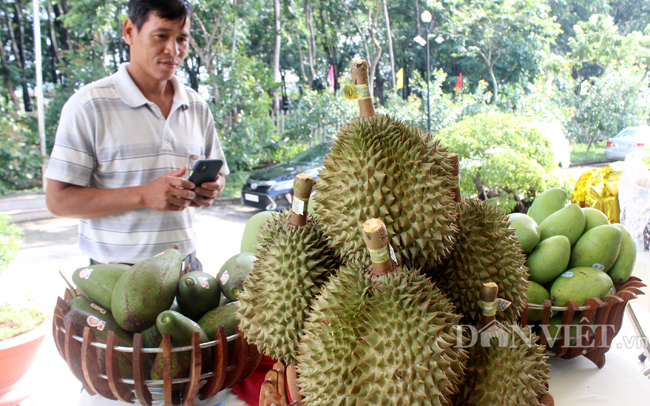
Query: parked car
628, 140
272, 188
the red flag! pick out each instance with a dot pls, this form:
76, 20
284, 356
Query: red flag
459, 82
330, 76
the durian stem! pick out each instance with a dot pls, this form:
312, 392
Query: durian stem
376, 238
302, 186
488, 295
456, 173
359, 74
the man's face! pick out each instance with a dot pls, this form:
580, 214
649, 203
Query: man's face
158, 48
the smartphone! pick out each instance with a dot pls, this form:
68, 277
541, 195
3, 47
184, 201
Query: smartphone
205, 170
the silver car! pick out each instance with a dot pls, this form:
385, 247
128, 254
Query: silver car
628, 140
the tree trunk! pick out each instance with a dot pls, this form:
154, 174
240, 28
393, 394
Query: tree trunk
276, 56
234, 27
390, 48
9, 85
60, 9
301, 60
18, 7
311, 45
54, 47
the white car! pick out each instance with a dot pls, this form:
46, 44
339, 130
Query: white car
628, 140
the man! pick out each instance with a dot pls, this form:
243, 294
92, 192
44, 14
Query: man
126, 142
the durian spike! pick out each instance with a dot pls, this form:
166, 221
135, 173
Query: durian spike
359, 74
488, 298
376, 239
302, 186
456, 172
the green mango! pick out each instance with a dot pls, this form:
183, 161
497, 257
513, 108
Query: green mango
234, 272
547, 203
145, 290
594, 218
549, 259
180, 329
598, 248
252, 229
197, 293
568, 221
537, 294
97, 281
580, 284
624, 265
526, 230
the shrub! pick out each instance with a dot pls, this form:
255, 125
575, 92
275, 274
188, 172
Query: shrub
502, 158
20, 156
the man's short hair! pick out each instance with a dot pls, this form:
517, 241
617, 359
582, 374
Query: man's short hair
139, 10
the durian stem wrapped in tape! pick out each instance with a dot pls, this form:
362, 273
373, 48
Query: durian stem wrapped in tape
380, 167
383, 335
294, 260
598, 188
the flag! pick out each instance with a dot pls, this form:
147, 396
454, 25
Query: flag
330, 77
459, 82
400, 79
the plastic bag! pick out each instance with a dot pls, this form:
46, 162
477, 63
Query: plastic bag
634, 199
598, 188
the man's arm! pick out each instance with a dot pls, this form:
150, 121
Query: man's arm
169, 192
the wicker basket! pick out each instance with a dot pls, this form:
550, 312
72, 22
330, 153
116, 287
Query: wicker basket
79, 350
600, 322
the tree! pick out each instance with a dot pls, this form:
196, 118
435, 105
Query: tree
502, 158
515, 33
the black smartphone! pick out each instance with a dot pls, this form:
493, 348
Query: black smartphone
205, 170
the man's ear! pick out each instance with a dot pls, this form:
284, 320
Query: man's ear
128, 30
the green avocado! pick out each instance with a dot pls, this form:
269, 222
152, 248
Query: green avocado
97, 281
197, 293
146, 289
234, 272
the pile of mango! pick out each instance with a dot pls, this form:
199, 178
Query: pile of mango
573, 252
154, 298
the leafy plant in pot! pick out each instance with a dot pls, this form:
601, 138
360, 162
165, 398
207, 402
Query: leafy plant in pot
22, 328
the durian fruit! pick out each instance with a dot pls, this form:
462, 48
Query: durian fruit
380, 336
293, 262
506, 367
485, 251
380, 167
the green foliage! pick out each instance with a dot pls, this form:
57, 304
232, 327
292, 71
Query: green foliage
234, 183
511, 38
15, 321
240, 89
318, 111
20, 156
581, 153
9, 235
607, 104
501, 158
446, 109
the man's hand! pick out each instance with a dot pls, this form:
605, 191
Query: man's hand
170, 192
211, 190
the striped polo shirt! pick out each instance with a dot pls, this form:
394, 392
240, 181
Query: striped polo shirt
111, 136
